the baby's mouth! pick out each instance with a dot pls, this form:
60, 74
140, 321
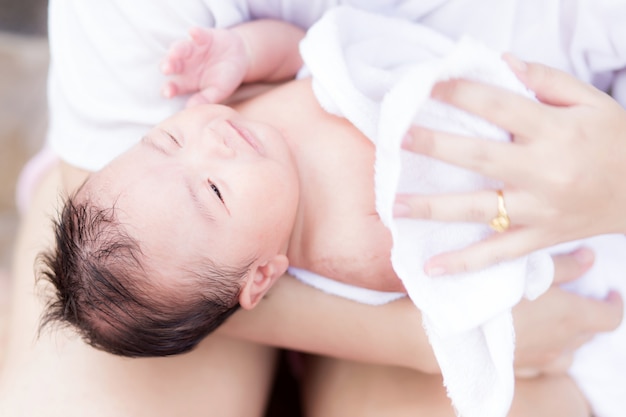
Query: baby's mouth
245, 134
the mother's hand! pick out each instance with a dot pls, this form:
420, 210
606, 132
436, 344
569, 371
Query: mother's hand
563, 173
552, 327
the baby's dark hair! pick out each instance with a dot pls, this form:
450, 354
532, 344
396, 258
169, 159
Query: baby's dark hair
103, 291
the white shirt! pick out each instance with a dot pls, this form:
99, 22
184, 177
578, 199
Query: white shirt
104, 83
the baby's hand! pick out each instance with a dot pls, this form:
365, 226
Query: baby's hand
212, 64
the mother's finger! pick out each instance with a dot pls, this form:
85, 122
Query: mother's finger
497, 160
474, 207
572, 265
551, 85
602, 315
498, 247
559, 365
511, 111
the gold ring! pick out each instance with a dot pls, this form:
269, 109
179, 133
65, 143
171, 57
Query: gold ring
501, 222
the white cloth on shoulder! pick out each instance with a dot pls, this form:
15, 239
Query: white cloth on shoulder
351, 292
378, 73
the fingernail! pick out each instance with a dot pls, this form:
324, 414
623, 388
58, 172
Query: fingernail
401, 210
407, 140
613, 296
515, 63
165, 68
169, 90
584, 256
435, 271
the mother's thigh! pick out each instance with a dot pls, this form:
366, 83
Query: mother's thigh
336, 388
57, 375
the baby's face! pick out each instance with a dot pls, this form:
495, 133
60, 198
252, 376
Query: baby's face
204, 182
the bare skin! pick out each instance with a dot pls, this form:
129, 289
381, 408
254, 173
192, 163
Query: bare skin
57, 376
214, 62
336, 388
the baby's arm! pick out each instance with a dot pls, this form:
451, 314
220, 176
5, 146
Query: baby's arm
214, 62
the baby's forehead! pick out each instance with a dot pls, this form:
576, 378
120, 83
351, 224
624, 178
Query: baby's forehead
94, 182
172, 270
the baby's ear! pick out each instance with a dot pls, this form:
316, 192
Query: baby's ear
260, 279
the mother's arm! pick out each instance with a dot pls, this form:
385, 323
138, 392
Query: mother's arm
299, 317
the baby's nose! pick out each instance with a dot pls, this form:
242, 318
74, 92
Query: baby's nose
217, 145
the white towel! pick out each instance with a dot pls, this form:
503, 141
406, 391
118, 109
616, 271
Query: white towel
341, 289
377, 72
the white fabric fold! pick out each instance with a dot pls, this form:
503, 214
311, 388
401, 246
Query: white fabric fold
378, 72
351, 292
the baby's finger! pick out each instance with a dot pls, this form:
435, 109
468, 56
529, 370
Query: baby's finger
200, 36
172, 66
196, 100
497, 160
169, 90
166, 67
209, 95
176, 87
180, 50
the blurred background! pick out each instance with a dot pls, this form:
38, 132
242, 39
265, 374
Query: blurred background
23, 67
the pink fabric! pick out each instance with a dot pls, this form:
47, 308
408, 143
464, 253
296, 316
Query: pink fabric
31, 174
